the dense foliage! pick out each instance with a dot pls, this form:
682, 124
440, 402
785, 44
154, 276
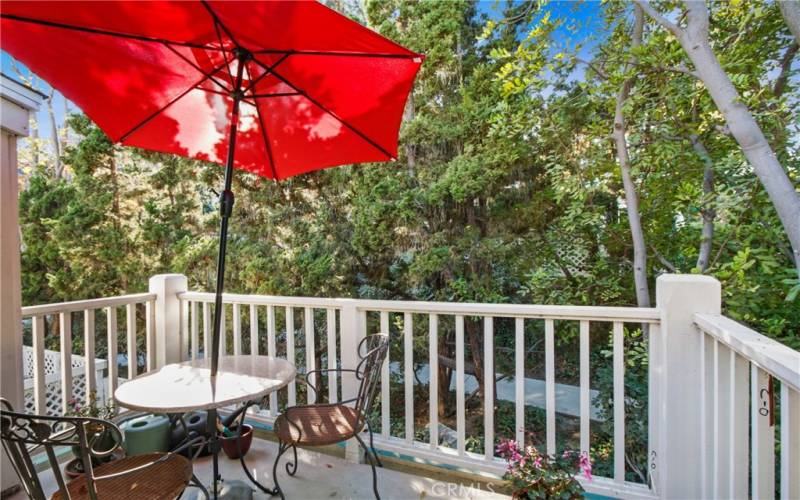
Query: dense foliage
507, 189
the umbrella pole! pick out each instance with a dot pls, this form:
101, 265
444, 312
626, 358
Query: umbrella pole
225, 210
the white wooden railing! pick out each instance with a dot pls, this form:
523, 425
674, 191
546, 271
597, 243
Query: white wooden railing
197, 311
739, 417
707, 431
63, 312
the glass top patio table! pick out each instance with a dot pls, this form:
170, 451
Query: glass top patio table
187, 386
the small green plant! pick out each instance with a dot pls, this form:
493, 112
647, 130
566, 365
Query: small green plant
532, 474
92, 409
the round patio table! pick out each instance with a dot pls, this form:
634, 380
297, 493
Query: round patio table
188, 386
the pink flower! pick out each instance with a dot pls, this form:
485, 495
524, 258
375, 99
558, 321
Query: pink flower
537, 462
506, 447
586, 465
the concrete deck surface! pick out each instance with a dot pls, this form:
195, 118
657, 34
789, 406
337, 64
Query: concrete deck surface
322, 476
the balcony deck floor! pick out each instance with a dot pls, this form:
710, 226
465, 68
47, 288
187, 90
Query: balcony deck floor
323, 476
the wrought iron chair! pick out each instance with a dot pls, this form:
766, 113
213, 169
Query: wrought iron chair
331, 423
149, 476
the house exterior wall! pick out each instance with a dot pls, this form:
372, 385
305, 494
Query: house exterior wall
17, 103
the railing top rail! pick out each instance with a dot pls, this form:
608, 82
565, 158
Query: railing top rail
596, 313
80, 305
266, 300
771, 356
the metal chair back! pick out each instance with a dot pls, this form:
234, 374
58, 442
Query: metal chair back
373, 351
23, 435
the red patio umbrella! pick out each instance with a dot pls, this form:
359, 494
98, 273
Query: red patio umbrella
276, 88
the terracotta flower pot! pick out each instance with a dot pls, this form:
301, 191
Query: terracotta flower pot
230, 446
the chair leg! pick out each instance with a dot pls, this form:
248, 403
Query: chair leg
372, 446
195, 483
291, 467
372, 464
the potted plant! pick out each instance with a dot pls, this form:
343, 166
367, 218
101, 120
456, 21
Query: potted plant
96, 434
532, 474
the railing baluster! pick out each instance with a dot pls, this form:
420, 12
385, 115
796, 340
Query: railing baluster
385, 380
184, 305
150, 332
273, 397
223, 333
237, 330
111, 322
408, 375
433, 379
763, 436
333, 387
790, 443
654, 388
253, 330
584, 384
707, 404
519, 379
133, 358
739, 430
311, 358
88, 364
206, 330
290, 352
65, 329
39, 388
460, 410
488, 384
550, 385
619, 403
195, 330
722, 420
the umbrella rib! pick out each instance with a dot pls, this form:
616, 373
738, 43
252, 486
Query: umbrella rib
338, 53
325, 109
277, 94
253, 83
265, 138
97, 31
218, 21
160, 110
224, 55
198, 68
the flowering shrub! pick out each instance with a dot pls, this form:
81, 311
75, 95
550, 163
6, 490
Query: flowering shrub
535, 475
92, 409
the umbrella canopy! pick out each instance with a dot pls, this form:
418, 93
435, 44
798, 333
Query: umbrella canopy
316, 89
277, 88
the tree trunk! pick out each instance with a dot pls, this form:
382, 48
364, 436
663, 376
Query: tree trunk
708, 212
791, 14
445, 401
54, 136
474, 333
34, 140
411, 153
631, 197
742, 125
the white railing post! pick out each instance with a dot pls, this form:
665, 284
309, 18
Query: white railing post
351, 332
167, 314
678, 415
